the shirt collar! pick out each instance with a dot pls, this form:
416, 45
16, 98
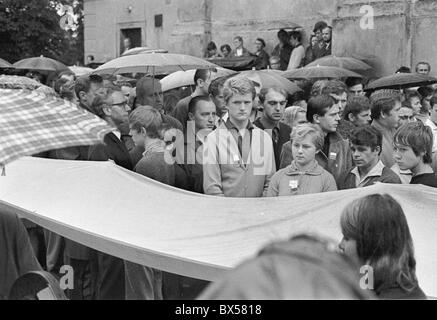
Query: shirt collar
230, 125
314, 170
376, 171
117, 134
157, 146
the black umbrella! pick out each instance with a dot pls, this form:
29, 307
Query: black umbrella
401, 81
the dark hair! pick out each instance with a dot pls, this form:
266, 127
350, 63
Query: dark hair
262, 42
296, 34
367, 136
425, 92
412, 94
99, 103
336, 87
320, 26
282, 34
403, 69
215, 85
318, 105
433, 100
350, 82
192, 105
84, 83
418, 137
355, 105
211, 46
90, 56
423, 62
227, 47
239, 38
203, 74
378, 225
264, 91
383, 101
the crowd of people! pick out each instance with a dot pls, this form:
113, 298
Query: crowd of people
212, 142
288, 54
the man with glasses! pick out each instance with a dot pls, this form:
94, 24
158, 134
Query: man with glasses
274, 101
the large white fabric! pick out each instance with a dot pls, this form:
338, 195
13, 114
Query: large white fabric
127, 215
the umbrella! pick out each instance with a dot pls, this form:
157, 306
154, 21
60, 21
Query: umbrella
401, 80
40, 64
320, 72
341, 62
80, 71
267, 78
154, 63
174, 236
186, 78
5, 64
235, 63
31, 122
142, 50
18, 82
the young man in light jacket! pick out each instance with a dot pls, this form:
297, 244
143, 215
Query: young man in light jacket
238, 157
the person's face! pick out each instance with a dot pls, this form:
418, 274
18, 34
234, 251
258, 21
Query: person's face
303, 150
219, 101
423, 69
392, 119
293, 41
326, 34
154, 97
240, 107
138, 137
96, 89
237, 43
363, 156
119, 108
405, 157
275, 64
204, 117
341, 101
258, 46
299, 119
126, 43
319, 35
225, 52
204, 84
415, 104
349, 248
329, 121
405, 115
356, 90
314, 41
434, 113
362, 118
274, 105
425, 103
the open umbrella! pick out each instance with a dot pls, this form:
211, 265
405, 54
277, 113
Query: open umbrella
31, 122
320, 72
267, 78
154, 64
401, 81
18, 82
5, 64
235, 63
80, 71
40, 64
186, 78
142, 50
341, 62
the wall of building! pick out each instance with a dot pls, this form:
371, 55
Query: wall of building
402, 31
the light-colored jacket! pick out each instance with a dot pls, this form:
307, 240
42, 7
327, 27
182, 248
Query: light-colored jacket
291, 181
225, 173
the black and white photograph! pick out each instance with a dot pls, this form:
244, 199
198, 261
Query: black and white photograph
218, 154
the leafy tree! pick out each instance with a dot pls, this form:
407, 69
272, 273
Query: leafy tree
30, 28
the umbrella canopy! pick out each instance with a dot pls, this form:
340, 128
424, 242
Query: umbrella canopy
5, 64
267, 78
401, 81
178, 236
80, 71
40, 64
154, 63
31, 122
139, 50
18, 82
340, 62
186, 78
320, 72
235, 63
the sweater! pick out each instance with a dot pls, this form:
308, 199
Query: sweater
290, 181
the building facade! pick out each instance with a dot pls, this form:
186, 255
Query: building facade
386, 33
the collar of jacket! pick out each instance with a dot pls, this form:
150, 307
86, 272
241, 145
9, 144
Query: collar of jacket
314, 170
229, 125
334, 138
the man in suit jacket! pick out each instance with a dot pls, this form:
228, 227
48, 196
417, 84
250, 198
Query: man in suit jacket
240, 50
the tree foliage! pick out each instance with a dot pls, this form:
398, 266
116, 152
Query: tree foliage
30, 28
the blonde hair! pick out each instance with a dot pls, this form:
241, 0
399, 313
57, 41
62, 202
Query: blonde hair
301, 131
148, 118
290, 114
238, 85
